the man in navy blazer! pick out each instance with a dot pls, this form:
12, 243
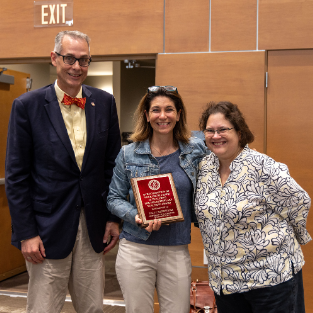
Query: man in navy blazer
62, 143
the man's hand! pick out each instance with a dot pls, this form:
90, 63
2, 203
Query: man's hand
111, 229
153, 226
33, 250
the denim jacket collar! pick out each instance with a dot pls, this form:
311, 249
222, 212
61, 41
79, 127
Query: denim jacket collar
144, 147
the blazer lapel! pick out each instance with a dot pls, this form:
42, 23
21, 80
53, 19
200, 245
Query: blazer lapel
90, 111
53, 109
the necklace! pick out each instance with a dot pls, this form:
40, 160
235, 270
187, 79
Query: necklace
166, 152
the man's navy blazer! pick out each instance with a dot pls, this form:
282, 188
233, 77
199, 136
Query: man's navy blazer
44, 186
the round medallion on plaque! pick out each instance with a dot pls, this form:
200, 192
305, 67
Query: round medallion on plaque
154, 184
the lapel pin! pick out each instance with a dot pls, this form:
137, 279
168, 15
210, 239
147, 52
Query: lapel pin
93, 104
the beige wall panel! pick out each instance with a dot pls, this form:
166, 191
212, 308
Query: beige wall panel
186, 26
115, 27
285, 24
233, 25
290, 129
204, 77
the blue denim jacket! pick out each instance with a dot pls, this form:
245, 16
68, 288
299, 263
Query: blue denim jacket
136, 160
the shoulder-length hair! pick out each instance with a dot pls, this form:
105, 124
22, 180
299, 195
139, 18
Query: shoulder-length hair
143, 129
233, 115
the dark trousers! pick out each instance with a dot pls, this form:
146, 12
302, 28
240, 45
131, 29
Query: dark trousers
287, 297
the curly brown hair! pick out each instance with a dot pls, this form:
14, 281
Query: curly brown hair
143, 129
233, 115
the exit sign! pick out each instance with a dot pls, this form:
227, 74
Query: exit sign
53, 13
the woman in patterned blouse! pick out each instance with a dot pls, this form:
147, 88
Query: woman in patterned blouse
252, 217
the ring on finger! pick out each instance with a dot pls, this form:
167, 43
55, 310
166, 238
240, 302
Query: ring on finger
28, 258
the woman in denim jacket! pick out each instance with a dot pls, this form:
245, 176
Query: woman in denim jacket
155, 256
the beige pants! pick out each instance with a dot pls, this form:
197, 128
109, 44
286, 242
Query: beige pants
82, 272
141, 268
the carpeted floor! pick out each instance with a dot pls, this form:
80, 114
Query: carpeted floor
18, 284
18, 305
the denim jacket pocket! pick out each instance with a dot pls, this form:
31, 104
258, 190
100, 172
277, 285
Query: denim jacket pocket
137, 170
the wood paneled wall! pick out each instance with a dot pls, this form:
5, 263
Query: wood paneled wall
285, 24
186, 26
12, 261
233, 25
119, 27
199, 269
290, 130
114, 26
205, 77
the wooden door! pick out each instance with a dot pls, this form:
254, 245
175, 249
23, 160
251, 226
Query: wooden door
11, 261
205, 77
290, 130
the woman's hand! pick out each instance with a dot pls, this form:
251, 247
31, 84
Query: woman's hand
155, 225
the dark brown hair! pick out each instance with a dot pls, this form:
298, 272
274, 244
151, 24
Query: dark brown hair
143, 129
233, 115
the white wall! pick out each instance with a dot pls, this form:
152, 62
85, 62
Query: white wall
134, 85
39, 72
117, 86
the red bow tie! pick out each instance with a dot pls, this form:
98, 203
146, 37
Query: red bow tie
80, 102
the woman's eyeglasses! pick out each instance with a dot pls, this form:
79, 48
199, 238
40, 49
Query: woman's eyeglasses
211, 132
154, 89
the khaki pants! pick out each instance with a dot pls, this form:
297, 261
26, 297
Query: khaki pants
82, 272
141, 268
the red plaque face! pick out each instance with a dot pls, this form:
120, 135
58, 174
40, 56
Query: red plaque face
156, 198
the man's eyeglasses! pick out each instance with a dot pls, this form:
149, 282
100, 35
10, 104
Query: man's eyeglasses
70, 60
155, 89
211, 132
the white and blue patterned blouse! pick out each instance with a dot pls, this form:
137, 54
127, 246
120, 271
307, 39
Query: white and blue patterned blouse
251, 227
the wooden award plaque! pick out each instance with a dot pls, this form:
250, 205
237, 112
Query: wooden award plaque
156, 198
